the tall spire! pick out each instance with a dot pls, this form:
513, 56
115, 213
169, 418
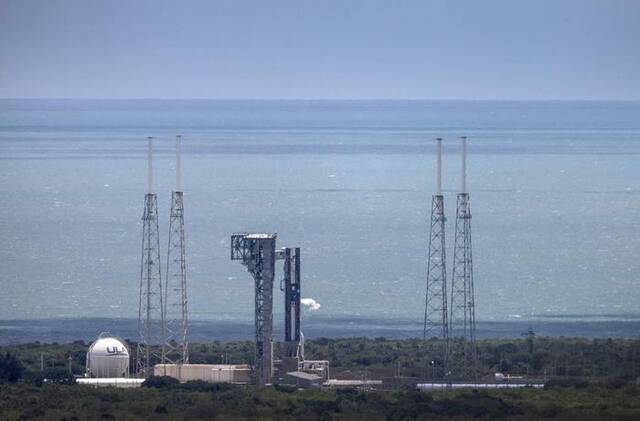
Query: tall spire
178, 163
435, 314
176, 317
150, 164
439, 166
463, 319
151, 306
463, 140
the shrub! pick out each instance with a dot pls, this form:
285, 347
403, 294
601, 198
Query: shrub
202, 386
284, 388
10, 368
616, 382
567, 383
161, 382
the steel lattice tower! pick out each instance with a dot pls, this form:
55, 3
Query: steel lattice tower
258, 253
435, 312
151, 310
462, 320
176, 345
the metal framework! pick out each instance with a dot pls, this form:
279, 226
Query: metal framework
176, 344
150, 310
435, 313
462, 319
257, 252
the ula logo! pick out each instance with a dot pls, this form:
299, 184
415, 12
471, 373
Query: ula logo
113, 350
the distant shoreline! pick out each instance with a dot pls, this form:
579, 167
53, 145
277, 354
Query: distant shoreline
324, 100
73, 329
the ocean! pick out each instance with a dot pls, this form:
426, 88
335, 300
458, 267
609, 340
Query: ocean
554, 188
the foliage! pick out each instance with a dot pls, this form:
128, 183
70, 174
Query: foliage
10, 368
160, 382
536, 357
590, 379
55, 401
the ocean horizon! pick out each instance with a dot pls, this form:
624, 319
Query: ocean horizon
61, 330
553, 187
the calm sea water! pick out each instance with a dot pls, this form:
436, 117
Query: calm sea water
555, 196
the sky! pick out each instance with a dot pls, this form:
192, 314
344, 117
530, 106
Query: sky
324, 49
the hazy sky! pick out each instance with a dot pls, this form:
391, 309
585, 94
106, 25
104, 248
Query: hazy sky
478, 49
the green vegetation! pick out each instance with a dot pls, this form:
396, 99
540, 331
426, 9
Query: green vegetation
538, 358
542, 358
10, 368
590, 379
225, 402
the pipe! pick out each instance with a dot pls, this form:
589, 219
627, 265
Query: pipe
178, 163
150, 164
464, 163
439, 167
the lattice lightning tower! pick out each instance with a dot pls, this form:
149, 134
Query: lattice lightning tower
435, 313
150, 311
463, 319
176, 344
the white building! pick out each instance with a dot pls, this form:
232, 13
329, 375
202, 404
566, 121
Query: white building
212, 373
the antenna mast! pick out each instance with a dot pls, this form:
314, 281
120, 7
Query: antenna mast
150, 310
435, 314
176, 344
463, 317
179, 163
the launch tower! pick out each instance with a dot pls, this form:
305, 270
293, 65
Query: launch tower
258, 253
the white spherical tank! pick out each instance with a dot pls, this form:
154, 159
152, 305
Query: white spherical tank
108, 357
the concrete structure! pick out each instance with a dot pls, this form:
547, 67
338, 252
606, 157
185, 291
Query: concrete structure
107, 357
443, 386
302, 379
212, 373
318, 367
399, 382
112, 382
336, 383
